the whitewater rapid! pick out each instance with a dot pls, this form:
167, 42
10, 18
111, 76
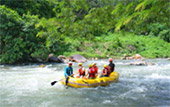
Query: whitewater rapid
29, 86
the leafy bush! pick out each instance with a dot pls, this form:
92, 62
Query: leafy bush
160, 30
42, 8
18, 36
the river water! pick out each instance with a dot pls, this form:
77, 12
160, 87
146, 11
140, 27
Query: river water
138, 86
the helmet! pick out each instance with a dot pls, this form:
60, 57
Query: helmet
90, 65
93, 64
80, 64
105, 66
70, 63
110, 59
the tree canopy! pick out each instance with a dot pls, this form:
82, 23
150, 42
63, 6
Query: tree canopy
35, 28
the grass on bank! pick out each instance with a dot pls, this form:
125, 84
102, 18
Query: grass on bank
115, 45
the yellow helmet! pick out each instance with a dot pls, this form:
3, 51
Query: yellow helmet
80, 64
105, 66
90, 65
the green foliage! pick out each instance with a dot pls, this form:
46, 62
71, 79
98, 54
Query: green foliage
35, 28
150, 47
160, 30
42, 8
143, 14
10, 44
17, 36
110, 45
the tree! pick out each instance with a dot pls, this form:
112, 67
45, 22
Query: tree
42, 8
139, 16
18, 36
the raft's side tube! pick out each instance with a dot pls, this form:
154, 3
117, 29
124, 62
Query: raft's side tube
86, 83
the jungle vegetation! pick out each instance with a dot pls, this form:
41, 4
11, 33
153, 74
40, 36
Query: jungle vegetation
32, 29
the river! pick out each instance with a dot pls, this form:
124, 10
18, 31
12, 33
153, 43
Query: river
138, 86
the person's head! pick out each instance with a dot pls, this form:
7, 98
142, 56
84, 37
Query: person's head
105, 66
70, 64
94, 64
110, 59
80, 64
90, 65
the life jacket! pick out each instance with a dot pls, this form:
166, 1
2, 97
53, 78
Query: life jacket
91, 72
81, 72
96, 69
107, 71
111, 67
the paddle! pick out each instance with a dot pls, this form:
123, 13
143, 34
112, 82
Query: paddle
52, 83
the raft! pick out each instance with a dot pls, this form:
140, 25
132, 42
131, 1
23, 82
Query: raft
87, 83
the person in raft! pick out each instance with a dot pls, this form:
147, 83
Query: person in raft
95, 68
91, 72
105, 72
81, 71
111, 65
68, 72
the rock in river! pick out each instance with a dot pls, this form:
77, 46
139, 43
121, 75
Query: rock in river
52, 58
78, 58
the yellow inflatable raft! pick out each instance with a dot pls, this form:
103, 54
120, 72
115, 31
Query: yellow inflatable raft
87, 83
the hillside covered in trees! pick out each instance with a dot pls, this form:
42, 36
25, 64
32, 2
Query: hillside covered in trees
32, 29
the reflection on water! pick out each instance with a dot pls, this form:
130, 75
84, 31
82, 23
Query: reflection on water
29, 86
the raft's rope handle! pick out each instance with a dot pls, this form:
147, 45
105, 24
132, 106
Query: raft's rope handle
85, 82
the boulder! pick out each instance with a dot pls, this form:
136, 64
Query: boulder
125, 57
151, 63
137, 56
52, 58
36, 60
140, 63
168, 58
77, 58
63, 59
5, 68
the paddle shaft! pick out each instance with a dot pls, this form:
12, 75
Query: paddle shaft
52, 83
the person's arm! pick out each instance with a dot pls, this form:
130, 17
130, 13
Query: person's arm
96, 69
65, 72
77, 73
84, 71
109, 67
71, 71
113, 67
105, 72
87, 73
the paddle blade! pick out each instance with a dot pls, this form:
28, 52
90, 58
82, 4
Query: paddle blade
52, 83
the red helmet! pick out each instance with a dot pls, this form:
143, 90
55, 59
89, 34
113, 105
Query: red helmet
70, 63
110, 59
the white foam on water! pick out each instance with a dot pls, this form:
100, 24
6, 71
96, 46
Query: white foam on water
158, 67
31, 84
22, 83
106, 101
158, 76
139, 89
120, 63
1, 65
45, 104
